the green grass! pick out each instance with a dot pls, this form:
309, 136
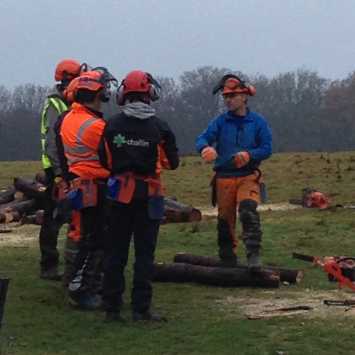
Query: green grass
38, 320
285, 175
10, 169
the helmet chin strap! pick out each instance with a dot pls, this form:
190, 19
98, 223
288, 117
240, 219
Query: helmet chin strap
62, 85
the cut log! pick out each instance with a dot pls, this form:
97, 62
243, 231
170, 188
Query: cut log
39, 217
8, 206
177, 212
216, 276
286, 275
41, 178
21, 206
31, 189
36, 218
20, 196
13, 211
7, 195
8, 217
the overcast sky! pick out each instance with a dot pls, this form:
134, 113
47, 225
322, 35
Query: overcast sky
168, 37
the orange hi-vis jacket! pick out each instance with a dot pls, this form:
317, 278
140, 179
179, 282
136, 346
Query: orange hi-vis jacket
81, 134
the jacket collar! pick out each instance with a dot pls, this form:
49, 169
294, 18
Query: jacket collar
247, 118
79, 107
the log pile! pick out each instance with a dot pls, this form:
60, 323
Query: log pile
24, 202
23, 198
209, 271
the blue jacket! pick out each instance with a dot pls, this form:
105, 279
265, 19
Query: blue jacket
231, 134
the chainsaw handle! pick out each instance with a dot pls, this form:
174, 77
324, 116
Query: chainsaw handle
303, 257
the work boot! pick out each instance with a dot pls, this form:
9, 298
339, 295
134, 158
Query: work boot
111, 317
254, 261
148, 316
85, 301
51, 274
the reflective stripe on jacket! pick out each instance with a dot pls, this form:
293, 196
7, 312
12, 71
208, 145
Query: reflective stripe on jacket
81, 133
60, 106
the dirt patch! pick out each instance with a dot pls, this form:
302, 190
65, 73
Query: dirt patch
307, 304
20, 236
284, 206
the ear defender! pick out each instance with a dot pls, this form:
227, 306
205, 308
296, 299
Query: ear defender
139, 82
232, 83
154, 89
120, 94
105, 95
251, 90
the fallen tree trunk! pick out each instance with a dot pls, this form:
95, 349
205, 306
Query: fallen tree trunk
286, 275
216, 276
8, 217
31, 189
12, 205
177, 212
14, 210
36, 218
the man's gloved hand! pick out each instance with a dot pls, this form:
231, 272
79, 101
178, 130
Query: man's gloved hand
61, 187
58, 179
208, 154
241, 159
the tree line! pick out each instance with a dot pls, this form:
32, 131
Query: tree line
306, 112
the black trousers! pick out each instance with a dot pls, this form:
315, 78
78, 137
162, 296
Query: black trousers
48, 235
125, 221
87, 263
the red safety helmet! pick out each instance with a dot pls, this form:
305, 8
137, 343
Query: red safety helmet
90, 80
70, 90
231, 83
140, 82
67, 70
94, 80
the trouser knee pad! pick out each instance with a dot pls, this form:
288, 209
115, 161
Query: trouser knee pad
250, 220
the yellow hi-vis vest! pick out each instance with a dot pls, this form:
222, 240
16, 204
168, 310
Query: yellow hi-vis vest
60, 107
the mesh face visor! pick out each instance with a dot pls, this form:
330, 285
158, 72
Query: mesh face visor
225, 78
106, 78
153, 81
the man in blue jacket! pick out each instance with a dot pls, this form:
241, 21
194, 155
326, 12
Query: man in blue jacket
237, 141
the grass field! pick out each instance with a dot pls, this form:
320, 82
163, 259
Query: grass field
202, 320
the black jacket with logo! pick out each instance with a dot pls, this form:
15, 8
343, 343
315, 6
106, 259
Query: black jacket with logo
133, 144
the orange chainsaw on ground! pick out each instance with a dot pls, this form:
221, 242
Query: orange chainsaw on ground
338, 268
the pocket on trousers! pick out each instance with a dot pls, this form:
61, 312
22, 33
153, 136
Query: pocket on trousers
263, 192
113, 188
156, 207
75, 198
